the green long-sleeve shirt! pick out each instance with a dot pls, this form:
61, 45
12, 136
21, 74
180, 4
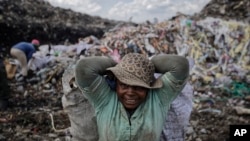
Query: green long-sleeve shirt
147, 121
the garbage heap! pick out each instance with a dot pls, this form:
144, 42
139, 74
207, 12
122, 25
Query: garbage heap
227, 9
220, 50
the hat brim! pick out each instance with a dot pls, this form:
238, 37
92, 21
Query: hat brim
130, 79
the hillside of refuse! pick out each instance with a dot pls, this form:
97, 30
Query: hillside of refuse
227, 10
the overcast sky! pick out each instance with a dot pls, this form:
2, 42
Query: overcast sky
138, 10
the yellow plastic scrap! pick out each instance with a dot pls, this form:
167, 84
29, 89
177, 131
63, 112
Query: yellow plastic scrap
207, 79
239, 48
231, 53
213, 67
196, 50
245, 63
246, 41
237, 6
192, 51
246, 67
244, 52
218, 75
232, 25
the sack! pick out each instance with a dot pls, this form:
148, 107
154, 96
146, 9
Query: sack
83, 126
10, 68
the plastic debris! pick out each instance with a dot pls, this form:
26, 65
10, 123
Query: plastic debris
242, 110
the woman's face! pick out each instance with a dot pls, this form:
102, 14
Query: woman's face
130, 96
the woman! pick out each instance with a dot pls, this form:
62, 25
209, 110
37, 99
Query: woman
137, 106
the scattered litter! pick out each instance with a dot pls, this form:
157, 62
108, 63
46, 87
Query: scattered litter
242, 110
210, 110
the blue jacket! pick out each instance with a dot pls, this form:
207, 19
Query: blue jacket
27, 48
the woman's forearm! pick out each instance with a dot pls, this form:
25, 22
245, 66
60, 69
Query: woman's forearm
89, 68
177, 65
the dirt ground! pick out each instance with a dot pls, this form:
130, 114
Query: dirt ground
29, 116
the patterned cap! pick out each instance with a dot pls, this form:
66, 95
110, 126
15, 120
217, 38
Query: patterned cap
136, 70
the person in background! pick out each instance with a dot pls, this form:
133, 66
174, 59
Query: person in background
136, 105
23, 52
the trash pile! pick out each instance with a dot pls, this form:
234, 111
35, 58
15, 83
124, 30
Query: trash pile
227, 9
220, 51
